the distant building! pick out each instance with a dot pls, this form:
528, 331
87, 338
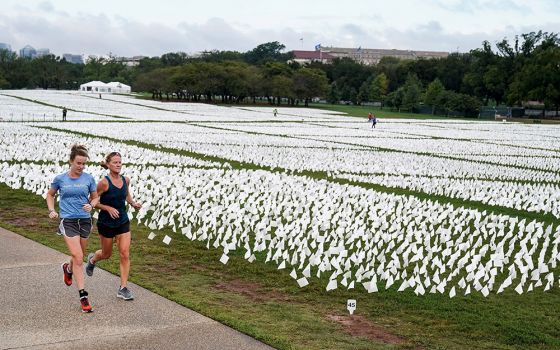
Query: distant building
305, 57
75, 59
130, 61
373, 56
4, 46
42, 52
28, 52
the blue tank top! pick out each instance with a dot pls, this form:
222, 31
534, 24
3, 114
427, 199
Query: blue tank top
114, 197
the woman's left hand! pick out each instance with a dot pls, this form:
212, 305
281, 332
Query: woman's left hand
87, 207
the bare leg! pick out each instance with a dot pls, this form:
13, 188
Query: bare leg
106, 249
123, 242
77, 245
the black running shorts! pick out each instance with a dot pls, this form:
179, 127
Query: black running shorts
110, 232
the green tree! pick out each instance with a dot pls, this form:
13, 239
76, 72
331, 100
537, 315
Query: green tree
412, 93
173, 59
333, 95
364, 94
495, 83
394, 70
395, 99
220, 56
452, 69
154, 82
267, 52
473, 80
44, 69
4, 84
93, 69
431, 98
309, 83
349, 76
281, 86
541, 75
379, 87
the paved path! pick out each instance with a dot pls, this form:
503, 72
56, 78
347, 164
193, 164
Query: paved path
39, 311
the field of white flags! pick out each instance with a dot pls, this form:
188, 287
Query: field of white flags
418, 206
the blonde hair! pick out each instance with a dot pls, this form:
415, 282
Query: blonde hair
104, 163
78, 150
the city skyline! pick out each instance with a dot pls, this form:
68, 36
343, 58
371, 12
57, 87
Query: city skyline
125, 28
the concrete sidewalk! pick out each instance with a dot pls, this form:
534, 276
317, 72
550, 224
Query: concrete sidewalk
39, 311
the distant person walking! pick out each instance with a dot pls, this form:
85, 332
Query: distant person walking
113, 223
64, 111
78, 195
372, 119
275, 112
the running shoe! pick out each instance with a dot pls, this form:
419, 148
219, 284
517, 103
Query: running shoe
67, 275
125, 294
86, 306
89, 265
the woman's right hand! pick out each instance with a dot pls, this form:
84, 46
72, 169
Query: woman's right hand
53, 214
114, 213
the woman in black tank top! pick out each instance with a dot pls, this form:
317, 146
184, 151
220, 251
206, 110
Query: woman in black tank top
113, 222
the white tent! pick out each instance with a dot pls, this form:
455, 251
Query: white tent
117, 87
95, 86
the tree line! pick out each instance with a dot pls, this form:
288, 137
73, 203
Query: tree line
526, 68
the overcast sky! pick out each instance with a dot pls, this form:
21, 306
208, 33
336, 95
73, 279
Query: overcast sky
127, 27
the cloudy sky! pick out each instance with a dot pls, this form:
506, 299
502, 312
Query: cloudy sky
127, 27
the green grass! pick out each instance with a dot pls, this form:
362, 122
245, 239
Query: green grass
268, 305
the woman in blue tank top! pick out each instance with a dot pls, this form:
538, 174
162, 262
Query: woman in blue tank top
113, 222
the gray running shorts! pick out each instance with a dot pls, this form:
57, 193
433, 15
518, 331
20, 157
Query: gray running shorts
75, 227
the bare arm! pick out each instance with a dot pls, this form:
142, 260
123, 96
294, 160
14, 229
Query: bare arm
50, 203
93, 200
103, 186
129, 199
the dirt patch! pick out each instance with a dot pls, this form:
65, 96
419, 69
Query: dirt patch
28, 217
252, 290
196, 267
23, 221
359, 326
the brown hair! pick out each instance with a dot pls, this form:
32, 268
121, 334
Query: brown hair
108, 158
78, 150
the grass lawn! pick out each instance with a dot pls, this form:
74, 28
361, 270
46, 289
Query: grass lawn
267, 304
351, 110
362, 112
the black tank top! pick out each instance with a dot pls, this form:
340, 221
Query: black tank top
114, 197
